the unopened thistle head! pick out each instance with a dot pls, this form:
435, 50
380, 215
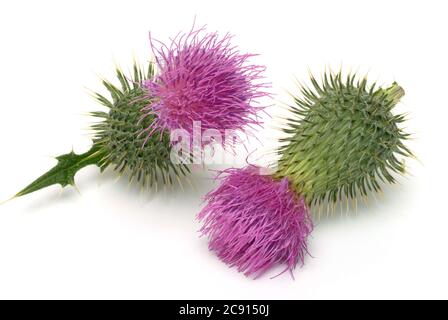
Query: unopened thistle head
255, 223
344, 139
119, 135
203, 78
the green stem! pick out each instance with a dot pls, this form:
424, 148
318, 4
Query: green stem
395, 93
64, 172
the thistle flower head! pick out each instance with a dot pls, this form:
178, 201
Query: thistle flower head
343, 140
203, 78
254, 222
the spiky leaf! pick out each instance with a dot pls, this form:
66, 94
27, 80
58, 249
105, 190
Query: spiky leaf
64, 172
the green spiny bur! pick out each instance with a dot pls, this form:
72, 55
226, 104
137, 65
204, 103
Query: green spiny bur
117, 140
118, 134
343, 140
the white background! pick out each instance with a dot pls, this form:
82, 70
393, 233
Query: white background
114, 242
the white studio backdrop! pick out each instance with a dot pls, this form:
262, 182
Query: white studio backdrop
112, 241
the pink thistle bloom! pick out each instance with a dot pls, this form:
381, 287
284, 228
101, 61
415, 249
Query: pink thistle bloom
254, 222
203, 78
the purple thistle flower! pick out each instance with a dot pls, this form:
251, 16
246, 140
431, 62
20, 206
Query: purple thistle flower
203, 78
255, 222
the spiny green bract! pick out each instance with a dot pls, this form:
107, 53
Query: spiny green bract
119, 136
343, 140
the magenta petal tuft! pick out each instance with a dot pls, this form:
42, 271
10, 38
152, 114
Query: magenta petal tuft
203, 78
255, 222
